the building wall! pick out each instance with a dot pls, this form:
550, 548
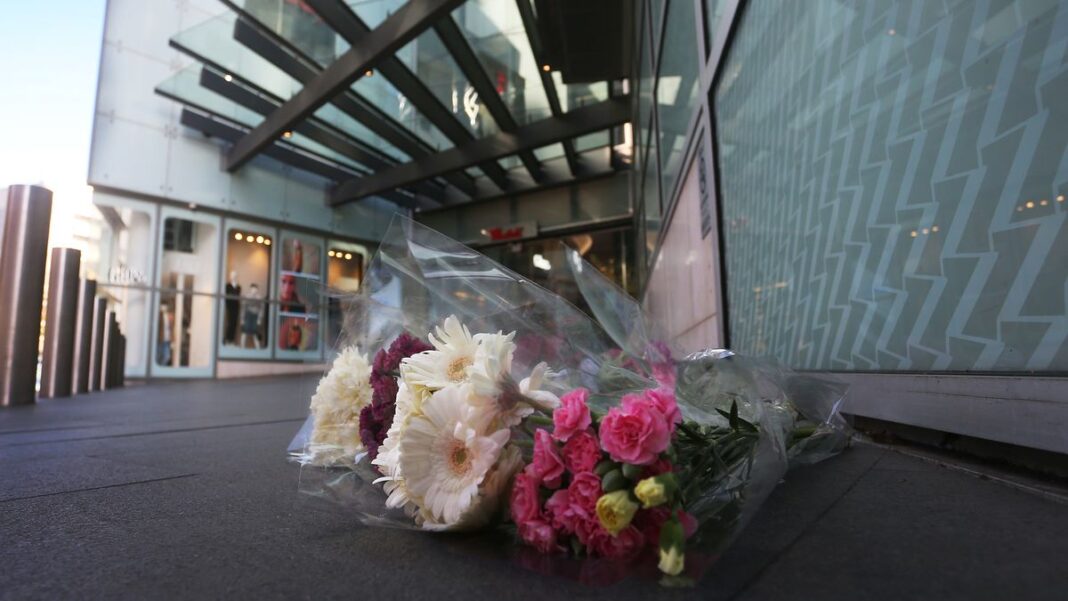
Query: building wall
139, 148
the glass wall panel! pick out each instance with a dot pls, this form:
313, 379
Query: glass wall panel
894, 178
676, 90
247, 285
299, 288
344, 271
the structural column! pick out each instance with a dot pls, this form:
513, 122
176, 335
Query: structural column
57, 360
22, 266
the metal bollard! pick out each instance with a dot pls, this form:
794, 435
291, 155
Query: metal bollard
96, 352
56, 361
111, 345
83, 336
120, 365
22, 266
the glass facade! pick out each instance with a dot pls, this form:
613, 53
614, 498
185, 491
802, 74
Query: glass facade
893, 180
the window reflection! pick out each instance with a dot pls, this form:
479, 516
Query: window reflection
298, 295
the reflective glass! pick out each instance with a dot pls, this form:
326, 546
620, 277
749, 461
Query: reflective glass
651, 200
591, 141
574, 95
676, 90
551, 151
894, 178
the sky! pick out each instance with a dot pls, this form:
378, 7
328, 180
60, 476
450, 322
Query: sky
49, 55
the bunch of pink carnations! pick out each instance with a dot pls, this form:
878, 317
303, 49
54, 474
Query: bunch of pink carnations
604, 485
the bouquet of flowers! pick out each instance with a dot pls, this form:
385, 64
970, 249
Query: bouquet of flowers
485, 401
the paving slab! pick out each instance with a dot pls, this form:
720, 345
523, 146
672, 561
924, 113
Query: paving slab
184, 491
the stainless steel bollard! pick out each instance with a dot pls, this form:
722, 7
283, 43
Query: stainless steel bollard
120, 365
58, 355
22, 267
83, 335
111, 345
96, 352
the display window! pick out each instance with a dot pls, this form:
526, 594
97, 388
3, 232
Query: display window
297, 327
344, 271
245, 330
187, 288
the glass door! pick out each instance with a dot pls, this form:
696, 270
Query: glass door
188, 281
298, 319
344, 271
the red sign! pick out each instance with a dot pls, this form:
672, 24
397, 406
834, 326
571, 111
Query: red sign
518, 231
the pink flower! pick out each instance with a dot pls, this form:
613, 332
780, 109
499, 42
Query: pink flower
635, 433
626, 544
540, 535
581, 453
583, 493
525, 505
561, 512
664, 401
572, 416
547, 466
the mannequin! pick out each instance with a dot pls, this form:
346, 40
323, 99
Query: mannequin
230, 309
251, 317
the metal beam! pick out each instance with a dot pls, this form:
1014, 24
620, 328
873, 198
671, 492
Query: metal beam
530, 26
277, 50
465, 57
588, 119
397, 30
340, 17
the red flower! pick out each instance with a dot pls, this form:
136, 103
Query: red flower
547, 466
572, 416
581, 453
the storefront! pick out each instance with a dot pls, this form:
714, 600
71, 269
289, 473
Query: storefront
205, 295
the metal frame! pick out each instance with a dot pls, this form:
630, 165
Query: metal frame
379, 44
278, 51
341, 18
575, 123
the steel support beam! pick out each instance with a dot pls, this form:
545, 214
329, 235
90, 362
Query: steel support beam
279, 52
465, 57
595, 117
531, 28
349, 26
397, 30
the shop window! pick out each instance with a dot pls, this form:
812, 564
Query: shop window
124, 273
178, 235
246, 288
344, 271
299, 290
893, 184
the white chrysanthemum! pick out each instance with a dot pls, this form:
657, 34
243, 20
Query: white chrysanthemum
454, 352
335, 409
388, 459
493, 362
444, 455
490, 494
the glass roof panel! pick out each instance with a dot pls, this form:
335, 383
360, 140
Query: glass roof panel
551, 151
574, 95
213, 41
373, 12
495, 31
185, 87
591, 141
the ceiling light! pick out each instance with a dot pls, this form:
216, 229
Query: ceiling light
330, 254
369, 72
541, 262
926, 231
1060, 198
267, 241
1043, 202
546, 68
348, 256
238, 236
892, 31
287, 135
259, 239
228, 77
934, 228
913, 234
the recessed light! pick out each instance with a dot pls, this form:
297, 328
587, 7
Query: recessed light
369, 73
913, 234
267, 241
1030, 204
228, 77
330, 253
287, 135
348, 256
259, 239
546, 68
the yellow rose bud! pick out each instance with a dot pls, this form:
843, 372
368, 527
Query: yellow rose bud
672, 561
651, 492
615, 510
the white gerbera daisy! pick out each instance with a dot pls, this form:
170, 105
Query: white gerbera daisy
444, 456
388, 459
335, 409
454, 352
533, 387
490, 494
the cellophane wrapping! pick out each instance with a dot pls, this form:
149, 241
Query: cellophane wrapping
764, 416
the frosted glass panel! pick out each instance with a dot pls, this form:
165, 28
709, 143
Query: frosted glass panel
894, 177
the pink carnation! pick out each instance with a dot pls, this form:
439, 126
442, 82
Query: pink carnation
581, 453
572, 416
635, 433
525, 505
540, 535
583, 493
626, 544
664, 401
561, 512
547, 466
